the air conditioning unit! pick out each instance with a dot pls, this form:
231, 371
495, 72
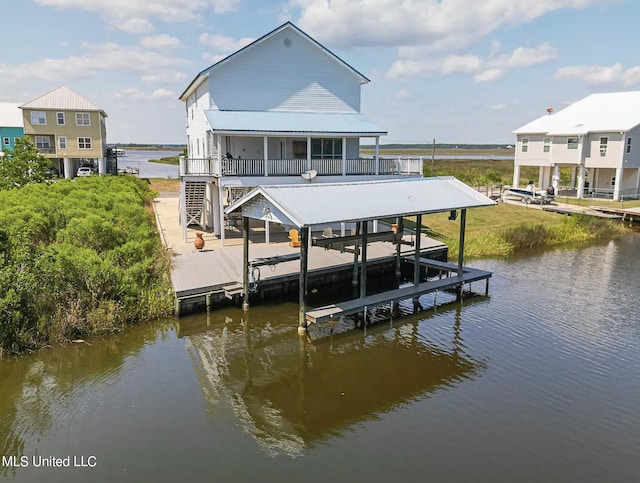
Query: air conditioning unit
603, 151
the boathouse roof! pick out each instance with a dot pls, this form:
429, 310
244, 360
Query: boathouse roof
287, 122
316, 204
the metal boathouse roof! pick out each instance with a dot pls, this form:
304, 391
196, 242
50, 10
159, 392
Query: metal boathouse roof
316, 204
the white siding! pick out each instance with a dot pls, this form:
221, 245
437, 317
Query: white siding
632, 159
561, 154
197, 125
611, 158
534, 154
274, 77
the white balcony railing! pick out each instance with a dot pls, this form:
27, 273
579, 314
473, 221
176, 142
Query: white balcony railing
295, 167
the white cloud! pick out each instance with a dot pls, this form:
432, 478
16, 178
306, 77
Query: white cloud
213, 59
133, 93
134, 15
97, 58
443, 26
221, 43
163, 41
415, 62
599, 74
499, 107
404, 94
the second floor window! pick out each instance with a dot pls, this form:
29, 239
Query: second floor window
84, 143
546, 146
83, 119
62, 142
525, 145
60, 118
6, 141
43, 142
572, 143
38, 117
628, 145
603, 146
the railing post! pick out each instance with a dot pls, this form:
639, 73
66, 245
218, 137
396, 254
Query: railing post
344, 156
377, 155
266, 156
183, 167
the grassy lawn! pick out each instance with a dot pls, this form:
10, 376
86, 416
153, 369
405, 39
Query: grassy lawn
168, 160
163, 185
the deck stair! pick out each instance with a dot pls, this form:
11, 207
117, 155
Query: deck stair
232, 290
194, 196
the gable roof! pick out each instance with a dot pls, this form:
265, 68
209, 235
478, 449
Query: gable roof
287, 25
322, 203
608, 112
61, 98
10, 114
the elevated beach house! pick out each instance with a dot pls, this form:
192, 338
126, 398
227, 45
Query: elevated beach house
598, 137
10, 125
67, 129
282, 110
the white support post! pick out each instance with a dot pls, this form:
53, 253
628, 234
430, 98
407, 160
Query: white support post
580, 193
266, 156
308, 152
516, 175
221, 217
377, 154
215, 209
616, 187
266, 232
555, 179
344, 156
183, 208
68, 168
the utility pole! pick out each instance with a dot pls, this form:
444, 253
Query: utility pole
433, 154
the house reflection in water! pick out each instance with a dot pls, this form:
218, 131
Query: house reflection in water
290, 393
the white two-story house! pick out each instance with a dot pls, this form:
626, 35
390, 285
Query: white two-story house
282, 110
598, 137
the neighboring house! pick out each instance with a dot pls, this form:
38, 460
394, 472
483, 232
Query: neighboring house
282, 110
598, 137
67, 129
10, 125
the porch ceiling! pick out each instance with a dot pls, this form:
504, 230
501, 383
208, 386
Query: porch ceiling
312, 123
317, 204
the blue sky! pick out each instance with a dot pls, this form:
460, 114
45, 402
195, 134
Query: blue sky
459, 71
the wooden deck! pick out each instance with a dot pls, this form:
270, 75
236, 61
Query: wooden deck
571, 210
327, 312
624, 213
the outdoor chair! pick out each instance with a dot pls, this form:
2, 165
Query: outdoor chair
294, 238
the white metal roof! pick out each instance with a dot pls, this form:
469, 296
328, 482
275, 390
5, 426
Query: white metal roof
61, 98
284, 122
317, 204
610, 112
10, 114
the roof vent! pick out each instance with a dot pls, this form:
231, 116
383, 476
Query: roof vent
287, 42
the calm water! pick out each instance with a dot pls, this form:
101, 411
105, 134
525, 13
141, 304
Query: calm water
140, 159
539, 382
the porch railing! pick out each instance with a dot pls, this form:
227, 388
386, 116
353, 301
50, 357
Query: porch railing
295, 167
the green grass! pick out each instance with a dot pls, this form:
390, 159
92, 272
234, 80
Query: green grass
174, 160
505, 230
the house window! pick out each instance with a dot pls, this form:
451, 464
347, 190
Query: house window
546, 145
42, 142
628, 145
6, 141
15, 141
572, 143
613, 180
326, 148
83, 119
84, 143
60, 118
603, 146
38, 117
525, 145
62, 142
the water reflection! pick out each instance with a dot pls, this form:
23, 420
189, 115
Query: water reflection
290, 393
55, 385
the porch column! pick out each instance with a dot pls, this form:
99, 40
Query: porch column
302, 295
266, 232
416, 255
516, 175
555, 179
580, 193
308, 153
219, 156
363, 271
221, 215
616, 187
638, 182
68, 168
463, 223
266, 156
245, 262
344, 156
541, 177
216, 208
573, 177
377, 154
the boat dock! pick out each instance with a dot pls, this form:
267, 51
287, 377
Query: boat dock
625, 214
573, 210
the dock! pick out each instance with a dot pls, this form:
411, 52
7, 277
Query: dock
625, 214
328, 312
575, 210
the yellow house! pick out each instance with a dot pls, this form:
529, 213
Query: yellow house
67, 129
